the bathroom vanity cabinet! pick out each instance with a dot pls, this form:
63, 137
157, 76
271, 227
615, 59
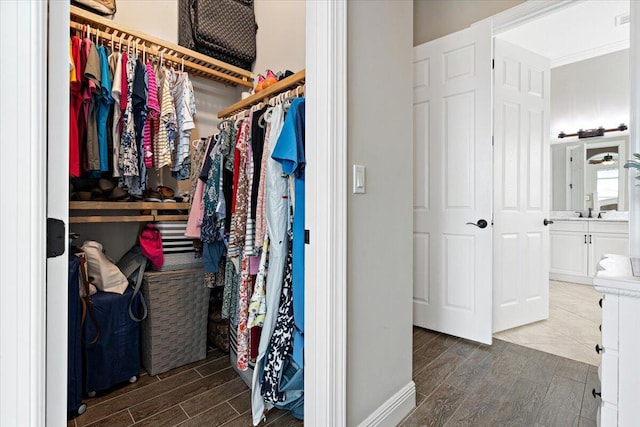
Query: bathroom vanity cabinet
578, 244
620, 347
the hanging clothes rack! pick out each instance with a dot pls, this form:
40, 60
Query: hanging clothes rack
194, 62
291, 83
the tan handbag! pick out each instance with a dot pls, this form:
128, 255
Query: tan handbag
102, 7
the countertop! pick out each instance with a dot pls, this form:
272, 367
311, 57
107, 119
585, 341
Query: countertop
607, 216
615, 275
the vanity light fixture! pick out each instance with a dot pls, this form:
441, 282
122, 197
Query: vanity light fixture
590, 133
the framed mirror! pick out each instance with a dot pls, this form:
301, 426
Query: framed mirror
590, 173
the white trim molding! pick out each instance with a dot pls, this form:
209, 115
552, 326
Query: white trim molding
23, 215
526, 12
326, 207
634, 129
391, 412
57, 207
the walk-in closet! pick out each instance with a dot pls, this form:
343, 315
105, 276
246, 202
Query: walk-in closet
186, 212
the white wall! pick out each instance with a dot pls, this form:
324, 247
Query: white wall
590, 93
436, 18
281, 35
155, 17
585, 95
379, 338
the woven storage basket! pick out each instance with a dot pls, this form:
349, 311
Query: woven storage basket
175, 330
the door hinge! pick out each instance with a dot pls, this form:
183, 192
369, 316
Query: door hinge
493, 64
571, 186
571, 159
306, 237
56, 237
493, 141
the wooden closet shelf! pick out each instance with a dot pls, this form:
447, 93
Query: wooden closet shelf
150, 211
291, 82
193, 62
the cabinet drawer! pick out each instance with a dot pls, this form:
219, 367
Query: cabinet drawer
559, 225
610, 377
610, 325
609, 227
608, 415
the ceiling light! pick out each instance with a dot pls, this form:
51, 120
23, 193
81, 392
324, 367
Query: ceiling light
608, 160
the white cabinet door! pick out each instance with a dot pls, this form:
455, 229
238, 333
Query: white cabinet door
569, 253
520, 181
605, 243
452, 184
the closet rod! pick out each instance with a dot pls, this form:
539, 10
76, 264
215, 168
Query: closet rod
291, 82
193, 61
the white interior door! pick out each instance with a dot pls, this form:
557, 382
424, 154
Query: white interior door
521, 186
452, 184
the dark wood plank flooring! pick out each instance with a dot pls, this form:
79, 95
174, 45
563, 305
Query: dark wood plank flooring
458, 382
461, 383
206, 393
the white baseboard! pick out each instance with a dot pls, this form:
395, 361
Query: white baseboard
391, 412
583, 280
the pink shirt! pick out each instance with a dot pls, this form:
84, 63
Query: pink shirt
152, 116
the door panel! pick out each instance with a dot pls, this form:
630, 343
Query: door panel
521, 171
452, 184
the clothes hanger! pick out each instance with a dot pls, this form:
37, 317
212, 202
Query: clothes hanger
239, 119
263, 119
223, 124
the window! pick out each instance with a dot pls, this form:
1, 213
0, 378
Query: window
607, 185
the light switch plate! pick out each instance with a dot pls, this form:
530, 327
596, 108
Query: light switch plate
358, 179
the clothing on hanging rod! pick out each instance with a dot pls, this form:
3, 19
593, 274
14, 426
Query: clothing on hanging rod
194, 62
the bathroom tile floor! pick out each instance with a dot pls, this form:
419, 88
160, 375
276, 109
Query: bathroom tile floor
572, 328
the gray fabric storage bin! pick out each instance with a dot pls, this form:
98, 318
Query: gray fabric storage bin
175, 330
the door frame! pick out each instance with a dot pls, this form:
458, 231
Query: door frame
326, 178
325, 301
23, 259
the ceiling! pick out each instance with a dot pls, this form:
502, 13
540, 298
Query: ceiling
577, 32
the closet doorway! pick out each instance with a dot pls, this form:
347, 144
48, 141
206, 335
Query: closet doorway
325, 377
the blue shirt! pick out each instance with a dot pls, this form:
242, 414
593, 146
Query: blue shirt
103, 107
289, 151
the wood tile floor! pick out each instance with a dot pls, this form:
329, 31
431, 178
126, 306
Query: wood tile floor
208, 393
461, 383
458, 382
